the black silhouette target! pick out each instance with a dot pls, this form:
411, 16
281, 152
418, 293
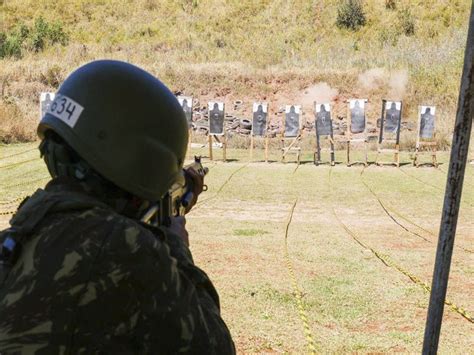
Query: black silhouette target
186, 103
427, 121
259, 121
292, 120
46, 98
357, 109
323, 120
216, 118
392, 118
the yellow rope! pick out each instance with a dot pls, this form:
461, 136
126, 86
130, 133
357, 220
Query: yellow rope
390, 263
296, 290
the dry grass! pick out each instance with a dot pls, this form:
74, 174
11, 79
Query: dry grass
248, 50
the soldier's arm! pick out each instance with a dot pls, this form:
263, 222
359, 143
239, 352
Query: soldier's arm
178, 305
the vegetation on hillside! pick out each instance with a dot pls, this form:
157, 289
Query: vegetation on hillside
243, 49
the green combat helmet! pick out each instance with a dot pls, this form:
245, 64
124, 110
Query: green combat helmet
124, 122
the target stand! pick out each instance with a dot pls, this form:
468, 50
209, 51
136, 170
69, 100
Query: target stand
426, 136
323, 129
252, 146
432, 150
381, 149
291, 132
390, 123
211, 138
259, 127
357, 130
317, 154
354, 141
216, 114
294, 148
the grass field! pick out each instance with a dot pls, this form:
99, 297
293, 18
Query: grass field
341, 278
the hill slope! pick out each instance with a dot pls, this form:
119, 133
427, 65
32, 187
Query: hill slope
244, 49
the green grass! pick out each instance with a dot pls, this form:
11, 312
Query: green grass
353, 302
249, 232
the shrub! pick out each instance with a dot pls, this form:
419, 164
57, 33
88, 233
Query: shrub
36, 38
388, 36
407, 22
53, 76
350, 15
390, 4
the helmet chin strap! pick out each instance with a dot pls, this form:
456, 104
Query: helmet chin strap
62, 161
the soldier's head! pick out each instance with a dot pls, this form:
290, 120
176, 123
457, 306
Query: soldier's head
393, 106
260, 108
428, 110
216, 106
185, 103
322, 108
356, 104
292, 109
114, 123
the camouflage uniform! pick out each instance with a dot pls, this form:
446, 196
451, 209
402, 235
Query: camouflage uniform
90, 280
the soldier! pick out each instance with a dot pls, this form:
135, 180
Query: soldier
79, 272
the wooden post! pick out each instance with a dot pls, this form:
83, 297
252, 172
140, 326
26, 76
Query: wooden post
190, 139
266, 148
224, 148
251, 146
452, 197
210, 146
366, 145
349, 133
318, 148
332, 153
418, 132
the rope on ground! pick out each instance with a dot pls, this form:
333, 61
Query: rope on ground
421, 181
394, 211
200, 203
7, 213
25, 173
433, 186
297, 166
27, 182
8, 166
14, 201
390, 263
19, 153
386, 210
296, 290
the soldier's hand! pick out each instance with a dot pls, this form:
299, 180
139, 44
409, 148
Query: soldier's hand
196, 182
178, 227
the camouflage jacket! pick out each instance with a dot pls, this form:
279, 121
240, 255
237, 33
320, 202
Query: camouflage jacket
89, 280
